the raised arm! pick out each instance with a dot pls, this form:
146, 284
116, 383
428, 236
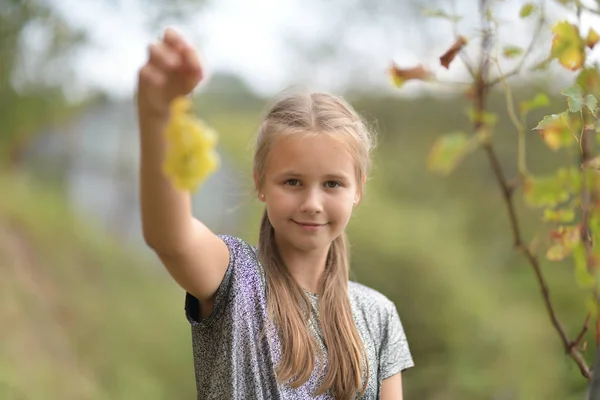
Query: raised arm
194, 256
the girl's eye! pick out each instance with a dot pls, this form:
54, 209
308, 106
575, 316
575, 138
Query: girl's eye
332, 184
292, 182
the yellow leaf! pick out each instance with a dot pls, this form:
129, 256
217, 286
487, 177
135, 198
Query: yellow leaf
555, 131
592, 38
399, 76
564, 240
567, 46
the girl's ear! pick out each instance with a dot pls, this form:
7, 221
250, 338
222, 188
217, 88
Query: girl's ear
260, 196
360, 190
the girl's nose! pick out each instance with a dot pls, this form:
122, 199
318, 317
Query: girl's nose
312, 202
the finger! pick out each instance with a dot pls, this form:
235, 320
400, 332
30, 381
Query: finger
153, 76
163, 58
174, 40
192, 62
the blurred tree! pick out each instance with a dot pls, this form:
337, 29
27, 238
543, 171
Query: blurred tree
37, 45
34, 43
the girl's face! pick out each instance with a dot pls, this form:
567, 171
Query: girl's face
310, 188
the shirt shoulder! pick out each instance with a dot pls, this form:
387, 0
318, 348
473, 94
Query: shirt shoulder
378, 321
368, 299
244, 281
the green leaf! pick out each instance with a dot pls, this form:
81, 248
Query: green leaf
485, 117
555, 131
559, 216
540, 100
428, 12
576, 100
574, 97
589, 78
584, 279
591, 103
527, 9
449, 150
512, 51
551, 191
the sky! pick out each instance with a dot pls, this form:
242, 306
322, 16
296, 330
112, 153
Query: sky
225, 34
247, 38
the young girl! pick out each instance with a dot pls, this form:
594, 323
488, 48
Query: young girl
280, 321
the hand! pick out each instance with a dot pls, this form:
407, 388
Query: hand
173, 69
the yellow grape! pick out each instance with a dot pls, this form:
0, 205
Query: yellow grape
191, 155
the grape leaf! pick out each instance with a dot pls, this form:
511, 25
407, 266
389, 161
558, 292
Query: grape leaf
574, 97
512, 51
427, 12
589, 78
560, 215
449, 150
485, 117
451, 53
583, 277
576, 100
527, 9
567, 46
540, 100
555, 131
399, 76
563, 240
592, 38
550, 191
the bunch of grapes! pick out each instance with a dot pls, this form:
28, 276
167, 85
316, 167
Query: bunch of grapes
191, 155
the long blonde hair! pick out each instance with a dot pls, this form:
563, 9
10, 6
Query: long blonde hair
298, 114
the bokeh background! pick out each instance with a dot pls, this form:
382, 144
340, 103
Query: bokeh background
86, 310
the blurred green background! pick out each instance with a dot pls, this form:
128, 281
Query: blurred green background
86, 310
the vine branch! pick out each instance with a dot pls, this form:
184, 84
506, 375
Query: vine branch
481, 91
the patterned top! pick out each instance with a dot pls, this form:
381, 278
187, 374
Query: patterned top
232, 361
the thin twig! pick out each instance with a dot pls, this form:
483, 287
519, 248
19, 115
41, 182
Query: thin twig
530, 47
586, 325
463, 56
519, 126
481, 90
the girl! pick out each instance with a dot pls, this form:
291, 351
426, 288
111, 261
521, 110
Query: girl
280, 321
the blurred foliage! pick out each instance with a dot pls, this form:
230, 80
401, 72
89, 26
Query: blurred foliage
30, 97
37, 45
82, 317
567, 198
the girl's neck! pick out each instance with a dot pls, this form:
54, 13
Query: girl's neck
305, 267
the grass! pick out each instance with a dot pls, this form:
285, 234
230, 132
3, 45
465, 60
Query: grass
82, 318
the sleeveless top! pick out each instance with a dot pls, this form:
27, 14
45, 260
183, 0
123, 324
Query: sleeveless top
233, 361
